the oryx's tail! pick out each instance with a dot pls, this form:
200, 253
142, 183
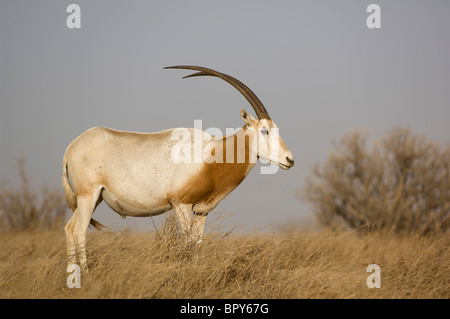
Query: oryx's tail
68, 190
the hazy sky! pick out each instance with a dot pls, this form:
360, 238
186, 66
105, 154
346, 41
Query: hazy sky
316, 66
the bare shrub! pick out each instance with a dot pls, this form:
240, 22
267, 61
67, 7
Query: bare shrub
23, 209
402, 182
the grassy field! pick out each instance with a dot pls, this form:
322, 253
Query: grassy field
315, 264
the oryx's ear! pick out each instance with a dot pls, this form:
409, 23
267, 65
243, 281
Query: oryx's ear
247, 117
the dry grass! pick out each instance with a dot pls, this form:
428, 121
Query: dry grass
315, 264
319, 264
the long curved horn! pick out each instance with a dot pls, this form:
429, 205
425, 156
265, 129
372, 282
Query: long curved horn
259, 108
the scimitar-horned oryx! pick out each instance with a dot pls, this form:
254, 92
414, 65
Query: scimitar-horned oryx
137, 174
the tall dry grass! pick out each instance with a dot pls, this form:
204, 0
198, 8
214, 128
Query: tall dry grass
158, 264
316, 264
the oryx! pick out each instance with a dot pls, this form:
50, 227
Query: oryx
136, 174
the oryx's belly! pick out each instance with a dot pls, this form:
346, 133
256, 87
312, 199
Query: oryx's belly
135, 207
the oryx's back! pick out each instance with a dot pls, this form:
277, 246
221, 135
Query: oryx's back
133, 170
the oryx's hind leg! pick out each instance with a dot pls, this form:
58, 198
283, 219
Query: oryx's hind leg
70, 240
86, 205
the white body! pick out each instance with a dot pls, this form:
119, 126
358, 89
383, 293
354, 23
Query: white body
134, 173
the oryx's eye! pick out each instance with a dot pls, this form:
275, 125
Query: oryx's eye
264, 131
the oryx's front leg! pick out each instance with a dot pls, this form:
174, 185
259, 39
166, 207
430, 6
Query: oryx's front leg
192, 228
198, 226
183, 213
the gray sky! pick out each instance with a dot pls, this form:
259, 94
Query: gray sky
316, 66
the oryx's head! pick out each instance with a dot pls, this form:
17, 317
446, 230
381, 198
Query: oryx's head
267, 142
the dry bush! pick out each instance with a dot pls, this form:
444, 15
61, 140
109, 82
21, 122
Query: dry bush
402, 182
23, 209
